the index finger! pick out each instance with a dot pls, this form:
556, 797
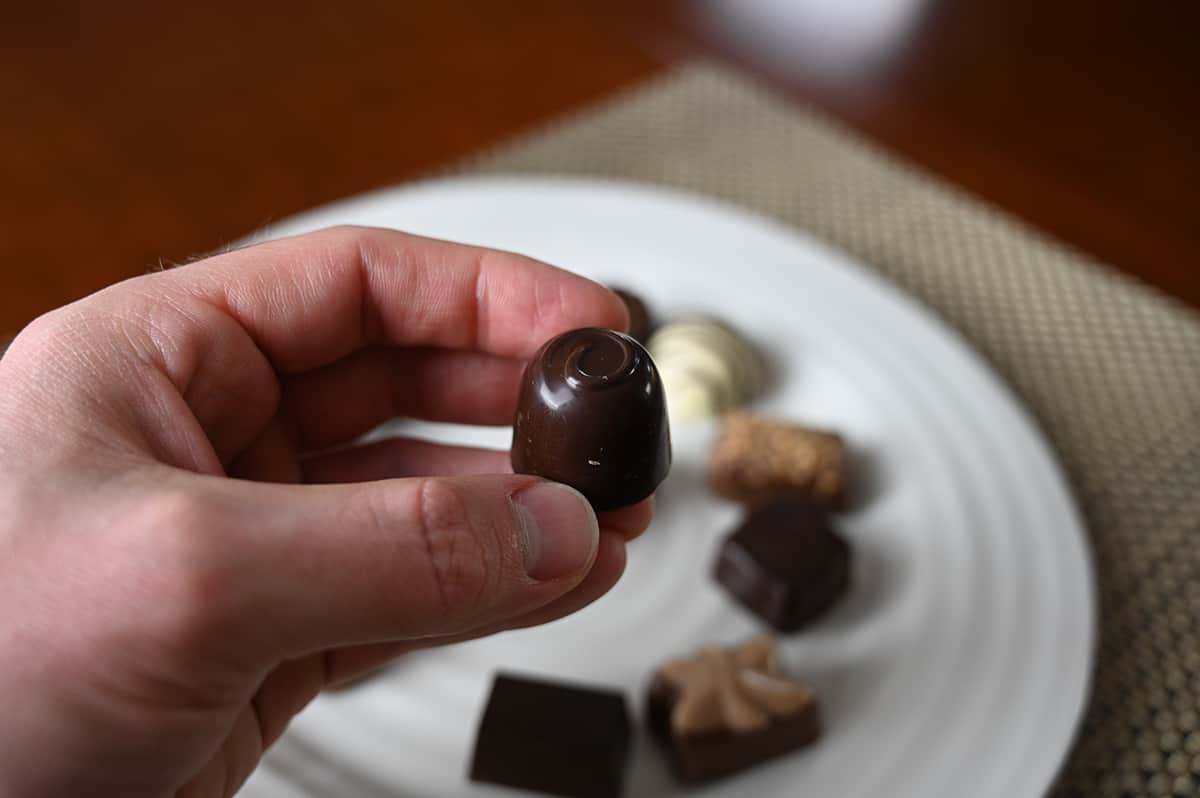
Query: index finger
312, 299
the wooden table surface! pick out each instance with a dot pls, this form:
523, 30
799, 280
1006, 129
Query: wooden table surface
140, 132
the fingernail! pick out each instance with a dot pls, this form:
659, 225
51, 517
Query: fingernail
560, 530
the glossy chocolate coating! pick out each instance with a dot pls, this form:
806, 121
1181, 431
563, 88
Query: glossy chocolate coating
591, 414
785, 563
556, 738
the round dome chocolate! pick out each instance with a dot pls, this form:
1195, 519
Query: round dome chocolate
591, 414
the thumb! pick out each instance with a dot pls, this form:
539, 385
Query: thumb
410, 558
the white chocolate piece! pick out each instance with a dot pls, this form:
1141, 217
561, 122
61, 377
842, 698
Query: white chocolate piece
688, 398
740, 358
706, 367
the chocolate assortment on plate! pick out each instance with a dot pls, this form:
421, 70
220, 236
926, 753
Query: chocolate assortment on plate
592, 413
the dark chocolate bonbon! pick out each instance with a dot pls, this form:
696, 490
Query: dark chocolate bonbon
785, 563
562, 739
591, 414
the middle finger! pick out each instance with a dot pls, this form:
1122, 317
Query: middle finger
339, 402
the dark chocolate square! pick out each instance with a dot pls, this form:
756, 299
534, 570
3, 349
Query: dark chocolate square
557, 738
785, 563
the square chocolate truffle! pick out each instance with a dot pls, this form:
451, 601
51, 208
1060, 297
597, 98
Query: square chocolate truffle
557, 738
724, 710
785, 563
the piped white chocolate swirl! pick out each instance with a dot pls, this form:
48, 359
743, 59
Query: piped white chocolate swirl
706, 368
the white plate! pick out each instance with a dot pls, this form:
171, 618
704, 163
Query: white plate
959, 662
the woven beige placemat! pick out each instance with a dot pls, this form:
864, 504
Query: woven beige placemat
1111, 369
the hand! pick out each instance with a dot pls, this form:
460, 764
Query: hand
173, 594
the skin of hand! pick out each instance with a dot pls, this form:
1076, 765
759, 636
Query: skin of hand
192, 543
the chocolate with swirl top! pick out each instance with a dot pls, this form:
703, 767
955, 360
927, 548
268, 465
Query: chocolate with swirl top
591, 415
724, 710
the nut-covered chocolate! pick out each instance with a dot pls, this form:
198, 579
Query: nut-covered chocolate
756, 460
591, 414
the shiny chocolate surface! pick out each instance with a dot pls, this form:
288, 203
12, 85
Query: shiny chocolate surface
591, 414
785, 563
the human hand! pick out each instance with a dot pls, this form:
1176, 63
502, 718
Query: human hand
172, 594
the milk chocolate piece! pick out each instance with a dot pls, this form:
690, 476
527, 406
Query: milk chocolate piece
640, 323
755, 460
727, 709
785, 564
557, 738
591, 414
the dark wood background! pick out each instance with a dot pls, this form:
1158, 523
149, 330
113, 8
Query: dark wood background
135, 131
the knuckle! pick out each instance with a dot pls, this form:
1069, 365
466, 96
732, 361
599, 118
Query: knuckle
352, 246
457, 555
171, 519
345, 230
186, 581
42, 328
40, 335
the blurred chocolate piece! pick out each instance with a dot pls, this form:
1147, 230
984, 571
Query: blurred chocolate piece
591, 414
724, 710
707, 367
785, 563
555, 738
755, 460
640, 323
